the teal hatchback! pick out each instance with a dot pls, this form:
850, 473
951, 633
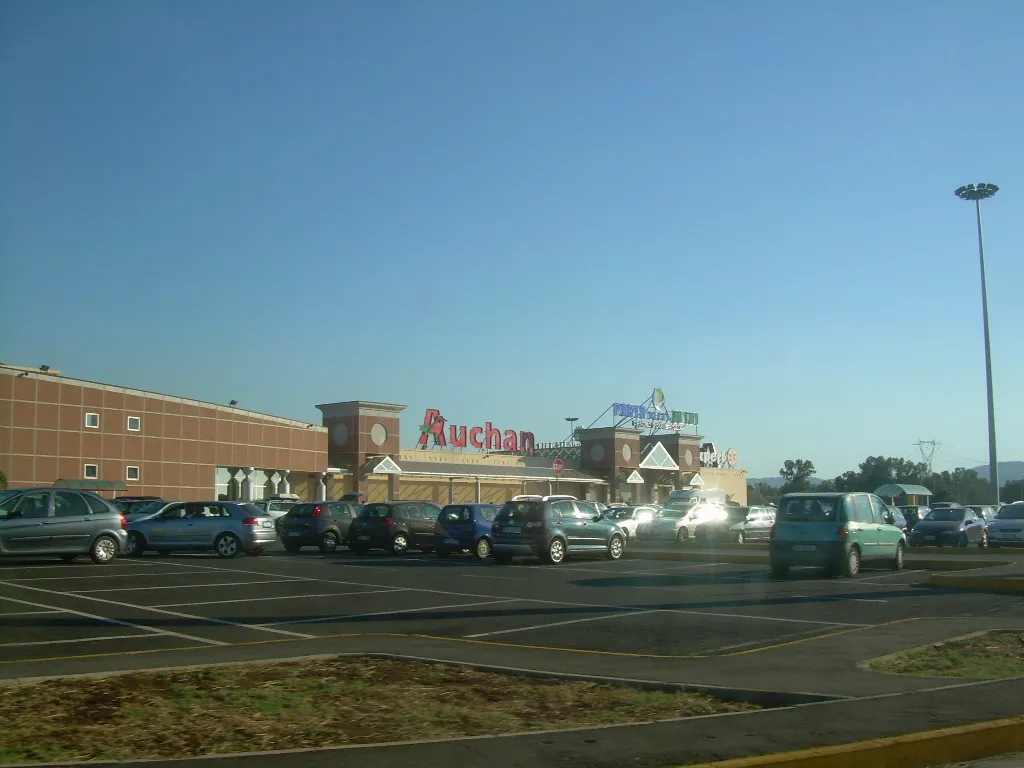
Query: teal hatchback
834, 531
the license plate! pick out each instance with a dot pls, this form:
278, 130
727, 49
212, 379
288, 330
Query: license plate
512, 529
294, 533
804, 547
451, 541
268, 523
364, 538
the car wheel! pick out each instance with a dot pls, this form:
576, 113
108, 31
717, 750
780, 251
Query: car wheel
740, 538
329, 543
255, 551
68, 558
103, 550
556, 552
962, 541
483, 549
293, 548
897, 562
400, 544
852, 565
615, 547
502, 559
682, 535
780, 571
135, 545
227, 545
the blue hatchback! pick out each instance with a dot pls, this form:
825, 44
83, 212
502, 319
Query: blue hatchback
462, 527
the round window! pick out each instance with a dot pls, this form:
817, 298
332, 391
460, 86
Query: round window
379, 434
627, 453
688, 456
340, 434
596, 452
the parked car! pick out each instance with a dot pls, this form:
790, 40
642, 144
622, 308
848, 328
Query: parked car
986, 512
396, 526
554, 530
227, 527
60, 522
461, 527
323, 524
278, 506
1007, 530
130, 505
677, 522
148, 509
949, 527
895, 516
913, 513
741, 524
628, 518
835, 531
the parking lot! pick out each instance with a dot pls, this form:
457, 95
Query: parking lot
709, 620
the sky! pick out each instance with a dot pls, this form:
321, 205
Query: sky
521, 212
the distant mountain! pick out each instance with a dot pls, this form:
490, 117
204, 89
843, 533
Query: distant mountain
1009, 471
778, 482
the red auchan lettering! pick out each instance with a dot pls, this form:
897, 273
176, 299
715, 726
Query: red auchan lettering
485, 437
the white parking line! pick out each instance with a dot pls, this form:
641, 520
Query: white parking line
836, 597
561, 623
5, 614
163, 611
181, 586
119, 622
659, 571
763, 618
499, 578
768, 640
493, 601
74, 640
129, 575
284, 597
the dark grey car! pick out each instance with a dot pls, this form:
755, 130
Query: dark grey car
554, 529
322, 524
62, 522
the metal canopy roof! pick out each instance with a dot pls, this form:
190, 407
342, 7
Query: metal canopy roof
439, 469
901, 489
91, 485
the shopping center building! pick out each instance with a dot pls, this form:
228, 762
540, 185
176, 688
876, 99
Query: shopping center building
123, 441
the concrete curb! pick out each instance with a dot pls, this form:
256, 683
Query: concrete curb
914, 750
1008, 585
757, 558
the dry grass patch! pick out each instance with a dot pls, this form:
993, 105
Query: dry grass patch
332, 702
991, 656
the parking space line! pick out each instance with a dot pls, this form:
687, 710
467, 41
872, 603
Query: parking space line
6, 615
773, 640
837, 597
561, 623
73, 640
499, 578
282, 597
657, 571
163, 611
180, 586
764, 618
119, 622
321, 619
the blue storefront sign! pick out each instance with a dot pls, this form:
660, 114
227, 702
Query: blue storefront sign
645, 417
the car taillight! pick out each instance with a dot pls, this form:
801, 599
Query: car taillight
124, 523
843, 532
771, 532
317, 511
251, 521
388, 521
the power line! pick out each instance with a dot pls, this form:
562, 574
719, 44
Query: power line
927, 449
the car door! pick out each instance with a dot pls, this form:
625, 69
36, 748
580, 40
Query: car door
564, 514
887, 535
412, 519
166, 528
975, 526
593, 533
71, 524
862, 528
25, 524
204, 522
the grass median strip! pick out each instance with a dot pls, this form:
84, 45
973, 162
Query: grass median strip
333, 702
988, 656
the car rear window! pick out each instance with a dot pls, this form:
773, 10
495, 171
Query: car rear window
375, 510
521, 512
302, 510
279, 506
488, 513
813, 509
1011, 512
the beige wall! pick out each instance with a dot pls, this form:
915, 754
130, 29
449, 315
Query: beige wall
732, 481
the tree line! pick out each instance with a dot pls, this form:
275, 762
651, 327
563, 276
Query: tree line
961, 485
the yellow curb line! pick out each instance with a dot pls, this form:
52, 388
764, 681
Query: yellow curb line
981, 583
914, 750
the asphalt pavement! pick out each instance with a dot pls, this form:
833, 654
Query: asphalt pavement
725, 626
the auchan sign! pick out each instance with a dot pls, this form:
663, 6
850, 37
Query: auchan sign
486, 437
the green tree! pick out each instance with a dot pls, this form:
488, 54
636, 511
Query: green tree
1012, 491
797, 475
762, 494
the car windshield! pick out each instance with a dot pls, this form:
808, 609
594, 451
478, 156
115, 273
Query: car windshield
521, 512
252, 509
618, 513
148, 509
947, 515
1011, 512
809, 509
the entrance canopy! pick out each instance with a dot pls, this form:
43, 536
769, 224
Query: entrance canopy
912, 492
91, 485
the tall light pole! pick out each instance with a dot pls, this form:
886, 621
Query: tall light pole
572, 421
977, 193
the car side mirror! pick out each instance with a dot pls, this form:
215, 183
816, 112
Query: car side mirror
890, 519
598, 518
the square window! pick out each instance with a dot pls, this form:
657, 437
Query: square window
133, 473
134, 423
92, 472
92, 420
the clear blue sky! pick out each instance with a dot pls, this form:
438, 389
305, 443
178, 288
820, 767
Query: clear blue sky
523, 211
